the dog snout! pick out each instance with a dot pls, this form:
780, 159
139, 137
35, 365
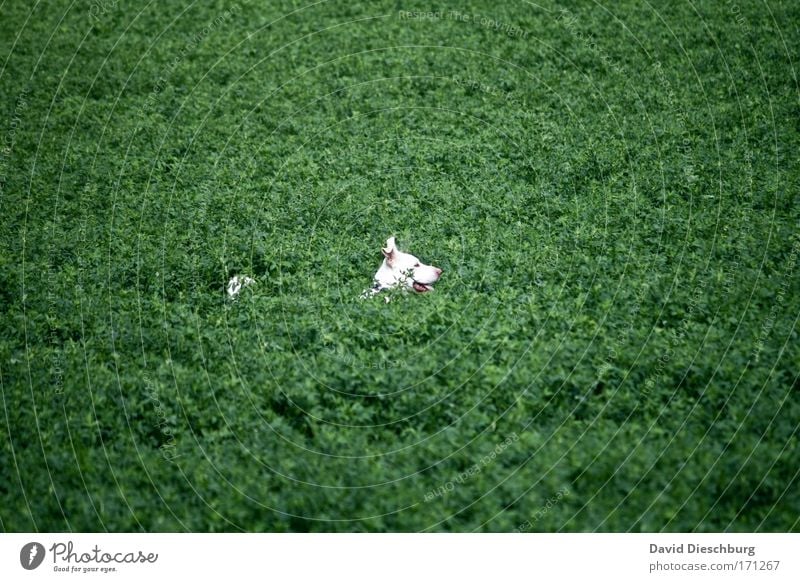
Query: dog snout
438, 271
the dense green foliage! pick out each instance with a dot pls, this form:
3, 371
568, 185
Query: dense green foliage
611, 191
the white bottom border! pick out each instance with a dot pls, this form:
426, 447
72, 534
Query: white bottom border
406, 557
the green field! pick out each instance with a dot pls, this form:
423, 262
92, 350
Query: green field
611, 190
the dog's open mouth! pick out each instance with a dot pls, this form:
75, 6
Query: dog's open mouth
421, 287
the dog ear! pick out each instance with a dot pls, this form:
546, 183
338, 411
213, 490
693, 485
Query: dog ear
388, 252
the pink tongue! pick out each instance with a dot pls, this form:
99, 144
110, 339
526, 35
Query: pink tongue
420, 287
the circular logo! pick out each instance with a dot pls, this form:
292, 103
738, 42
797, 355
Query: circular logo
31, 555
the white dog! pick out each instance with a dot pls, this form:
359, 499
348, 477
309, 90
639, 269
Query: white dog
236, 284
402, 270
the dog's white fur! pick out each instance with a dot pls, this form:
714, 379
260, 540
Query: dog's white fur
402, 270
236, 284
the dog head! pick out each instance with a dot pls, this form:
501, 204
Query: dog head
405, 269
